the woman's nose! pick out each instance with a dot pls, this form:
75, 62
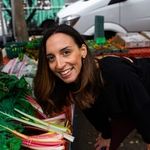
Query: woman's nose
59, 63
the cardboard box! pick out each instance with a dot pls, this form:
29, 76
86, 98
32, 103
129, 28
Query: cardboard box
146, 34
131, 40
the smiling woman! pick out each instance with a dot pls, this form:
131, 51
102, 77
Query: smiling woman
64, 57
114, 88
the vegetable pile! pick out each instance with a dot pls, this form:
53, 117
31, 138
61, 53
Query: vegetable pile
18, 49
21, 117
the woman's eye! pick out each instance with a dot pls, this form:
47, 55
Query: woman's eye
50, 58
66, 52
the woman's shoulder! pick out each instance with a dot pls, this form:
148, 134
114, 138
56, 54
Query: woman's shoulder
115, 58
116, 67
114, 62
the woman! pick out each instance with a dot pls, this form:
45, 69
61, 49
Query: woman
112, 88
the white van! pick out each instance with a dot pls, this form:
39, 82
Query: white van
119, 15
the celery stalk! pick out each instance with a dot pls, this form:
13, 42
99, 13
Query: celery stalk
51, 126
44, 126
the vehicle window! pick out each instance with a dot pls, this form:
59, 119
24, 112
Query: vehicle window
115, 1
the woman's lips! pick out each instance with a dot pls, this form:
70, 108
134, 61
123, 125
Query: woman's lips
65, 73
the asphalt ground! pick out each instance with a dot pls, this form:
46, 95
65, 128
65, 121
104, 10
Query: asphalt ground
85, 135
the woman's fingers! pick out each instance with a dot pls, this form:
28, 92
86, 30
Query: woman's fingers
148, 146
102, 144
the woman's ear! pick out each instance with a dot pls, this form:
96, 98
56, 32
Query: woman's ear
83, 50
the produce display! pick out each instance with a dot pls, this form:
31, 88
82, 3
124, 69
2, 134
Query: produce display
131, 45
106, 48
22, 121
17, 49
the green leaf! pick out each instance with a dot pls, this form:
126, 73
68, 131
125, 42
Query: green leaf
9, 141
14, 143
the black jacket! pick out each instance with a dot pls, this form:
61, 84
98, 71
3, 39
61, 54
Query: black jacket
126, 92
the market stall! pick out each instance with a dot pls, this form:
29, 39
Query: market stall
125, 45
18, 63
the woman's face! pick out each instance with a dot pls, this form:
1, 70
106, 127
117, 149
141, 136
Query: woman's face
65, 57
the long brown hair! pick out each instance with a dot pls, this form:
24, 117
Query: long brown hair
52, 93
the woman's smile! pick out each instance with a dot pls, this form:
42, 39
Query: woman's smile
66, 73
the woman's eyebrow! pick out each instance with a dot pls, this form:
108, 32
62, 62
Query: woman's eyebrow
64, 48
48, 55
59, 50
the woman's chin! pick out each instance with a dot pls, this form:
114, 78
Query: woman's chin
69, 80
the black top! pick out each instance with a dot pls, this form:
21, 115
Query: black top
126, 93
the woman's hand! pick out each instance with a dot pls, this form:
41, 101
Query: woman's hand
102, 143
148, 146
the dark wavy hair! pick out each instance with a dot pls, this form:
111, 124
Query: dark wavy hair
52, 93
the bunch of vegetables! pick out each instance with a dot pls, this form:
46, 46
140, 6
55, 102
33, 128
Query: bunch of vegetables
107, 48
15, 49
18, 49
19, 121
32, 48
